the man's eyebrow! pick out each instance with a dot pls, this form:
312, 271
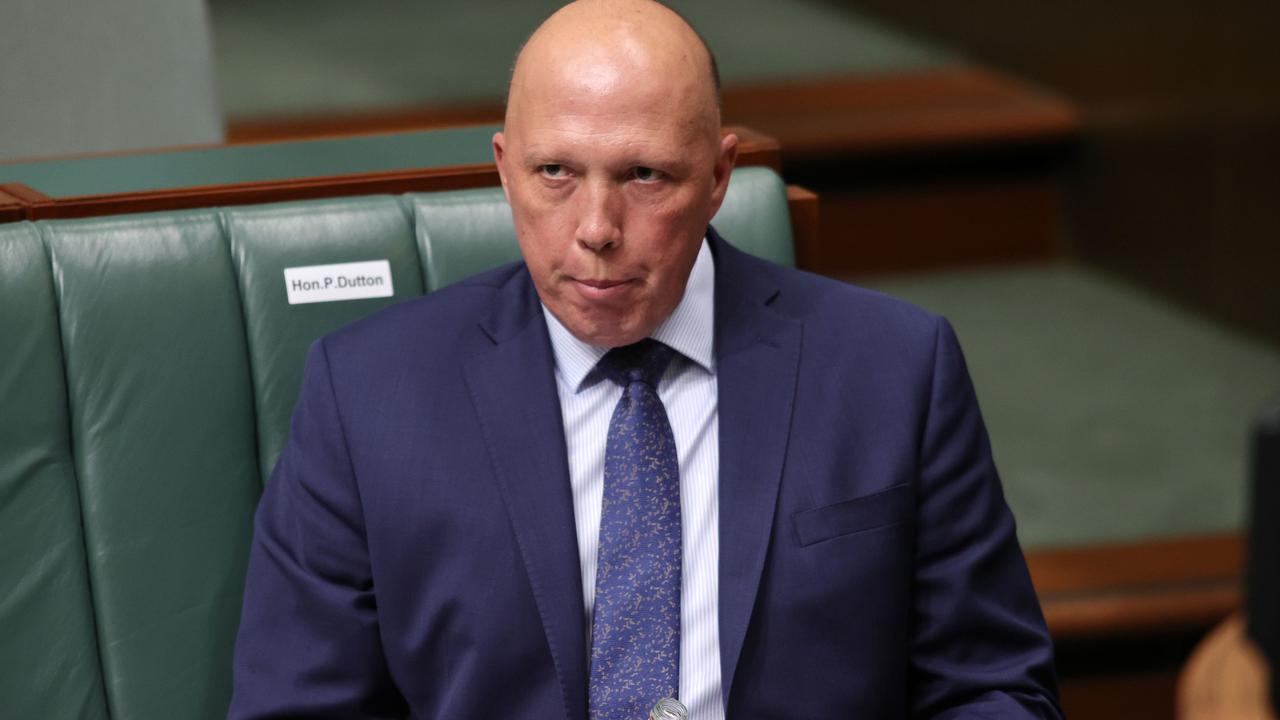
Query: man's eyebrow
539, 153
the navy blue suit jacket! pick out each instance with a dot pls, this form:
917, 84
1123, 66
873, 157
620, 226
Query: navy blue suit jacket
415, 551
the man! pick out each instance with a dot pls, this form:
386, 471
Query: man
506, 500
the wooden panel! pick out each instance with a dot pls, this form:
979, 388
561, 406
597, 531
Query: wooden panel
920, 111
909, 227
1142, 696
28, 200
1147, 587
1129, 612
805, 223
12, 209
426, 180
1151, 564
755, 148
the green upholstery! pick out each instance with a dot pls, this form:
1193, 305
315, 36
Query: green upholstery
49, 655
461, 233
750, 217
127, 490
266, 240
162, 427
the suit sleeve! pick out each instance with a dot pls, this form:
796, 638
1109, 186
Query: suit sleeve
980, 645
309, 644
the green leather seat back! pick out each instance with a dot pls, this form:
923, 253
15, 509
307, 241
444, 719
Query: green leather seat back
268, 239
163, 426
754, 215
49, 653
463, 232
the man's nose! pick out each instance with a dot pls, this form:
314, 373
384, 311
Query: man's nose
599, 226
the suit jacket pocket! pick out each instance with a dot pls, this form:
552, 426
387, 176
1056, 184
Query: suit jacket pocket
887, 507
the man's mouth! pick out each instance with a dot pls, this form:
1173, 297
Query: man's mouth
601, 284
597, 289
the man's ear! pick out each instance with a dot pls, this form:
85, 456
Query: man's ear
499, 152
727, 156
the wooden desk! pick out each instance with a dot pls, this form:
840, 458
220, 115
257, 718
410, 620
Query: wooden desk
1157, 586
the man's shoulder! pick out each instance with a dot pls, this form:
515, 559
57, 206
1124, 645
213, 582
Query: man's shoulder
432, 324
839, 309
858, 347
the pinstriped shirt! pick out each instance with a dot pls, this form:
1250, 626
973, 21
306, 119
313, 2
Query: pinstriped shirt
688, 390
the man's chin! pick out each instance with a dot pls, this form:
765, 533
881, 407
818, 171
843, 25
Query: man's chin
607, 331
610, 338
612, 322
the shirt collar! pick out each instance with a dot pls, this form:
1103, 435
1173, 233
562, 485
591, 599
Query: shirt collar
689, 329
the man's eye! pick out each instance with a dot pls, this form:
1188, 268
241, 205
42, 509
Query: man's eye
552, 170
645, 174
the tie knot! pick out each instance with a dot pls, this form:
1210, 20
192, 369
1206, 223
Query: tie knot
644, 362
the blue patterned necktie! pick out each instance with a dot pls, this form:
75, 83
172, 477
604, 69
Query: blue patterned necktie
635, 630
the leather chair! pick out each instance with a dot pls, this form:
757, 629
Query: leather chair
148, 369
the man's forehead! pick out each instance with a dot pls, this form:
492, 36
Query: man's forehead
610, 100
619, 94
624, 147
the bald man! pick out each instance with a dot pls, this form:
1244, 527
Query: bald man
639, 466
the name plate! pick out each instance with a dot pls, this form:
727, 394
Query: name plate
340, 281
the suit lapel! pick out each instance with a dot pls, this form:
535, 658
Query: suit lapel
512, 384
757, 358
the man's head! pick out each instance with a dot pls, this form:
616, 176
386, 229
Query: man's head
613, 163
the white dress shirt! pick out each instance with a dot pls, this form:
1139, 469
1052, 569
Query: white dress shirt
688, 390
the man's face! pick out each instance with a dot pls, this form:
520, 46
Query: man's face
611, 187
